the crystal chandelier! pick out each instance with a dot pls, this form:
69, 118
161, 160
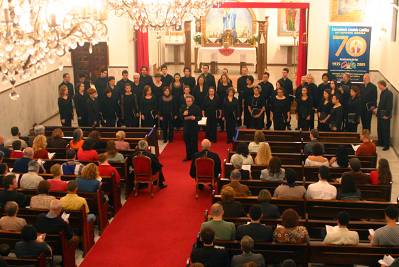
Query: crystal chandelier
161, 14
34, 33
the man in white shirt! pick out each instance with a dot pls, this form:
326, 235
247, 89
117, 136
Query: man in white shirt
15, 136
340, 234
31, 179
322, 189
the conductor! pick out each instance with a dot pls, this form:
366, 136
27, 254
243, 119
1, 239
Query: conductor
191, 114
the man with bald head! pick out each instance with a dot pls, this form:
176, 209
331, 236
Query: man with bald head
223, 230
206, 152
21, 165
368, 98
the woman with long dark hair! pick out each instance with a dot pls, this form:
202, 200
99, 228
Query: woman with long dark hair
280, 110
65, 106
211, 110
353, 111
304, 110
129, 107
383, 174
324, 112
341, 159
80, 101
168, 111
230, 114
148, 108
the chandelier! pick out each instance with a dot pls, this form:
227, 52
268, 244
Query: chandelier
34, 33
161, 14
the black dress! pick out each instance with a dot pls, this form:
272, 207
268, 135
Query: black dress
324, 112
66, 111
247, 94
304, 110
222, 93
80, 101
337, 118
190, 81
157, 90
257, 103
230, 113
353, 112
93, 112
268, 94
177, 93
168, 109
199, 95
280, 108
148, 108
110, 110
211, 108
167, 79
129, 110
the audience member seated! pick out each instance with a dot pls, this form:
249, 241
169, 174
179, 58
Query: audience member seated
341, 159
247, 256
382, 175
72, 201
387, 235
3, 149
99, 144
106, 170
40, 147
269, 211
87, 152
259, 138
240, 190
289, 231
288, 263
348, 189
264, 155
322, 189
120, 142
38, 129
113, 154
10, 191
32, 244
15, 135
52, 223
56, 140
56, 184
206, 152
16, 152
89, 180
290, 190
11, 222
207, 254
77, 139
274, 172
231, 207
42, 200
358, 176
223, 230
242, 151
3, 171
254, 229
236, 161
367, 147
21, 165
314, 139
5, 251
31, 179
156, 166
72, 166
316, 158
340, 234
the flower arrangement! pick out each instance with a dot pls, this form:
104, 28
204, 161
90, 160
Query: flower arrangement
252, 40
197, 38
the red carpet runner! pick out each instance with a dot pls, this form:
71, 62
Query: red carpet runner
159, 231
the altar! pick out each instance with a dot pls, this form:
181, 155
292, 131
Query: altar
230, 55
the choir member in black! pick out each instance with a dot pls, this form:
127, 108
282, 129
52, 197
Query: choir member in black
316, 95
211, 110
324, 112
209, 78
224, 84
112, 87
288, 89
148, 108
280, 110
65, 106
304, 83
353, 110
230, 114
80, 101
384, 115
101, 84
120, 85
93, 109
145, 77
345, 87
66, 80
83, 79
166, 78
199, 91
177, 93
158, 85
304, 110
187, 79
109, 108
187, 92
190, 114
368, 97
137, 88
129, 107
256, 109
325, 84
247, 94
334, 89
168, 112
267, 93
225, 71
337, 114
241, 86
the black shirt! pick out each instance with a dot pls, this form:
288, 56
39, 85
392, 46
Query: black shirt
209, 154
385, 104
80, 105
258, 232
368, 95
55, 225
190, 81
129, 106
65, 108
18, 197
101, 85
167, 79
30, 249
71, 91
191, 125
232, 209
267, 91
337, 116
287, 86
210, 257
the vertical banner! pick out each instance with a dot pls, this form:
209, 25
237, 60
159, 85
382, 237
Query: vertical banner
349, 51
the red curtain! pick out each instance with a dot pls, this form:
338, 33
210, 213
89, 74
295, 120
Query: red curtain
302, 47
141, 49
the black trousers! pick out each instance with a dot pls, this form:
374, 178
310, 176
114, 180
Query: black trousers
67, 123
351, 127
191, 141
268, 121
366, 119
230, 128
311, 121
221, 124
384, 132
167, 128
211, 129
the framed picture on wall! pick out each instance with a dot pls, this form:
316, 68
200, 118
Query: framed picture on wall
288, 21
347, 10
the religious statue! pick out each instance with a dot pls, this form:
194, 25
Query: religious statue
290, 17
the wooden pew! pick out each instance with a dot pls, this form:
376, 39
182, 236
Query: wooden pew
278, 146
38, 262
286, 158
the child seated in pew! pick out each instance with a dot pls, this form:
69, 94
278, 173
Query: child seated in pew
42, 199
56, 184
16, 152
72, 166
340, 234
11, 222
